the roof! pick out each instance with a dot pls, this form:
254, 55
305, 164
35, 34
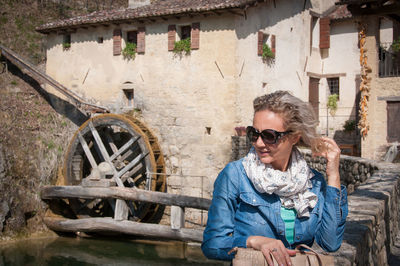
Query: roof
159, 8
340, 12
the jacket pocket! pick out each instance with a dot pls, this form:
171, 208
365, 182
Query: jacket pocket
253, 209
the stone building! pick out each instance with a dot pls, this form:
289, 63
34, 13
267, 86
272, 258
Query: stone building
378, 25
194, 101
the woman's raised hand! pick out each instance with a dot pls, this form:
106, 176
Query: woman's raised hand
271, 247
331, 152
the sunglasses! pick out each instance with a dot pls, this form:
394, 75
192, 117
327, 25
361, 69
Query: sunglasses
268, 136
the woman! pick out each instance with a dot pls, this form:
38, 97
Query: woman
271, 200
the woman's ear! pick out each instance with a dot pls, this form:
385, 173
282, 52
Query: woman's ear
295, 138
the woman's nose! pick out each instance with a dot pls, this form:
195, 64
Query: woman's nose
259, 142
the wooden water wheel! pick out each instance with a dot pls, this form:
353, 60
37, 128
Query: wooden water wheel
115, 150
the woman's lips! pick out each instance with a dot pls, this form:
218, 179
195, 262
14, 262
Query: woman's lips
263, 152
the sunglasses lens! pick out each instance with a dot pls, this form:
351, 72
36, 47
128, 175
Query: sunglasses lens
269, 136
252, 134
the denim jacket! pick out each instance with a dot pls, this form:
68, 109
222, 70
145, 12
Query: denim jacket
238, 211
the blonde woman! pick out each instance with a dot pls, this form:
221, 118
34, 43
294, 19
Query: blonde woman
271, 200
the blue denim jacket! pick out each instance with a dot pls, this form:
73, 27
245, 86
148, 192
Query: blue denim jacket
238, 211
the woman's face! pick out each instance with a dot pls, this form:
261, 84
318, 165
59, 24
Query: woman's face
277, 154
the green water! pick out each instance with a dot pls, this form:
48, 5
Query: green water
83, 251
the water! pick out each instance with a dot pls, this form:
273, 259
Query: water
64, 251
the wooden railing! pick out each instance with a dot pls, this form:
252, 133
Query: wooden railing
175, 231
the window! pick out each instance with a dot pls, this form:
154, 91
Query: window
66, 41
266, 45
129, 97
333, 84
393, 127
186, 31
131, 37
100, 39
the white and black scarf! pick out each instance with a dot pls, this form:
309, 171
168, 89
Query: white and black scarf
291, 186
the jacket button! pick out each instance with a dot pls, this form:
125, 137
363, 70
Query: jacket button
254, 200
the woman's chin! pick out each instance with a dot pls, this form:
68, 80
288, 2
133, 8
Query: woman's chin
265, 158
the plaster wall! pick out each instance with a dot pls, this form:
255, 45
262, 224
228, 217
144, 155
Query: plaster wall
255, 77
386, 30
341, 60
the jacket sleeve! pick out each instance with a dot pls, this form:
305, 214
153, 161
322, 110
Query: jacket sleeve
218, 235
329, 235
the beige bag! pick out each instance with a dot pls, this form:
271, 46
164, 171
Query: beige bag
251, 257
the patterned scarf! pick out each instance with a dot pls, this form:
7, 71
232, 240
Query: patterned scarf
291, 186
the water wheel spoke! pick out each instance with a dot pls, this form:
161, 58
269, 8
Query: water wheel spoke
86, 149
129, 166
134, 180
132, 207
110, 140
128, 175
123, 148
99, 142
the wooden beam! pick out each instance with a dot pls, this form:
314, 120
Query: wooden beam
125, 227
382, 10
66, 192
236, 13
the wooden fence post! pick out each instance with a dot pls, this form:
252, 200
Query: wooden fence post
177, 217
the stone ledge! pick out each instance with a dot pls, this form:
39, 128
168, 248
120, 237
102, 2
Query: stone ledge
373, 220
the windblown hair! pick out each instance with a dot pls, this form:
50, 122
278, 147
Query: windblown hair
298, 116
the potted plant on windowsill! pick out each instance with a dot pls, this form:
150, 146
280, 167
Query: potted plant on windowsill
332, 103
66, 45
240, 131
267, 53
129, 52
182, 47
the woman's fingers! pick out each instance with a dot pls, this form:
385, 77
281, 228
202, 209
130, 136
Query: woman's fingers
332, 155
271, 249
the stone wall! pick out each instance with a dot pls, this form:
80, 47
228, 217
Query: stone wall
373, 221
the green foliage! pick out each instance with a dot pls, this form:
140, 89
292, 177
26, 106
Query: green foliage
66, 45
182, 46
3, 20
396, 45
267, 52
129, 52
332, 103
349, 125
14, 82
51, 145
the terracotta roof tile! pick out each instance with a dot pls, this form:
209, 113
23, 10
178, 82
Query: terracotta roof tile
341, 12
156, 9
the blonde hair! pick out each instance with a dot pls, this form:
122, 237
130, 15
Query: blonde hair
297, 115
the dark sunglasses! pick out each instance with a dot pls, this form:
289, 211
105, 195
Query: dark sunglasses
268, 136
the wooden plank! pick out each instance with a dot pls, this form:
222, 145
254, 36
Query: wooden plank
126, 227
55, 192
